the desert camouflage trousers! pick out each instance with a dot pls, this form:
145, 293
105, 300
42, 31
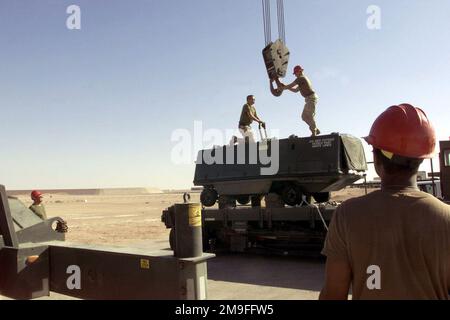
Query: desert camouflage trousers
247, 133
309, 112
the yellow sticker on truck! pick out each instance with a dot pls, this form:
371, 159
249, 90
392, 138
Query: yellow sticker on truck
195, 216
145, 264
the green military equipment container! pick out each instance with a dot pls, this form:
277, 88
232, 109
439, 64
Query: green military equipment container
294, 168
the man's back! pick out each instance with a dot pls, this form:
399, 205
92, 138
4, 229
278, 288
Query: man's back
406, 233
39, 210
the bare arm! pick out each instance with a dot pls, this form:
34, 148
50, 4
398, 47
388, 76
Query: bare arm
290, 86
293, 86
338, 277
255, 118
297, 89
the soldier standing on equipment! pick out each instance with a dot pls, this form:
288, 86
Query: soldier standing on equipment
392, 243
37, 207
248, 115
303, 85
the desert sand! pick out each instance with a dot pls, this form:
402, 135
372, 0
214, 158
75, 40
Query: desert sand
122, 219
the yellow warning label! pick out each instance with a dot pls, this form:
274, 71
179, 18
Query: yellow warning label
145, 264
195, 216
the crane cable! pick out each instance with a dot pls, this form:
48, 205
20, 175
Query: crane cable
267, 21
281, 28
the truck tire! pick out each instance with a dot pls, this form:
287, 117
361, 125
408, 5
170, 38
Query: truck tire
208, 197
291, 195
243, 200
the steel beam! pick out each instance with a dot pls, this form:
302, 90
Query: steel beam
114, 273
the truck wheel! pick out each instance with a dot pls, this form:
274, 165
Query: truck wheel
243, 200
321, 196
291, 195
208, 197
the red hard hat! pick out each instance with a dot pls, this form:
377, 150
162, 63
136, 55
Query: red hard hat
297, 69
403, 130
35, 194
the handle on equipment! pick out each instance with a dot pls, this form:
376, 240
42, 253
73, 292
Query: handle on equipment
275, 91
186, 197
260, 132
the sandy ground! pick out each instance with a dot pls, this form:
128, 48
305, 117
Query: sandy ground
135, 221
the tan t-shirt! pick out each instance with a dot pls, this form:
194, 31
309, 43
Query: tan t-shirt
405, 232
39, 210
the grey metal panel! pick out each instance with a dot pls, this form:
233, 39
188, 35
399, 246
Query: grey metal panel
302, 213
305, 213
317, 164
342, 182
306, 156
243, 187
193, 280
23, 217
121, 275
28, 226
6, 222
40, 232
245, 214
109, 275
22, 280
297, 156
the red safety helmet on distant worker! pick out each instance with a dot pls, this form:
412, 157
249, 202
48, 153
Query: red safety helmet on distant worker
405, 131
297, 69
36, 194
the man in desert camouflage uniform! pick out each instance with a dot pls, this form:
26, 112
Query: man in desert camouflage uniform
303, 85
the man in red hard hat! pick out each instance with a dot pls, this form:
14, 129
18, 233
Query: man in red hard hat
303, 85
37, 207
393, 243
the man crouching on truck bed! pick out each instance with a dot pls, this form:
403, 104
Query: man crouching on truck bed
393, 243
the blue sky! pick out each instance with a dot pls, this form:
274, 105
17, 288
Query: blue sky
96, 107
